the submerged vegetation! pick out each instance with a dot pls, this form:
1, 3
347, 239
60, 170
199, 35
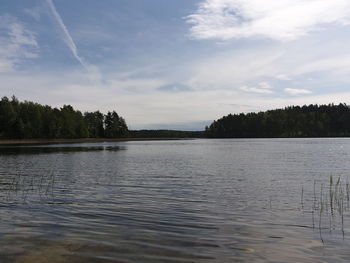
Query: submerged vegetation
306, 121
28, 120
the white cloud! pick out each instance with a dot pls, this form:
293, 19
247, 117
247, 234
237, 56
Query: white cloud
264, 85
325, 62
262, 88
235, 68
20, 36
17, 43
256, 90
275, 19
335, 63
34, 12
297, 91
282, 77
6, 65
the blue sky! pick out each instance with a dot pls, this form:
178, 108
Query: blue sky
175, 64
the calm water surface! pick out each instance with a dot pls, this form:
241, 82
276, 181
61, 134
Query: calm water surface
172, 201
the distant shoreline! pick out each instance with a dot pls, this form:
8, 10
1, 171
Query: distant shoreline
82, 140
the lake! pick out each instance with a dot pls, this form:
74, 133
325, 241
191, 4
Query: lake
229, 200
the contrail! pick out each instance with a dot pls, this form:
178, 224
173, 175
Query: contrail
67, 37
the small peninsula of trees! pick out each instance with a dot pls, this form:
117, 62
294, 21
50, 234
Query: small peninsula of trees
29, 120
306, 121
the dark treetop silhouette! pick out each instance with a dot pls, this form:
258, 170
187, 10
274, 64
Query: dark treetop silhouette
306, 121
27, 120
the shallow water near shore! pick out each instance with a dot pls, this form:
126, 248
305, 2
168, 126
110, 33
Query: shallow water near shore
234, 200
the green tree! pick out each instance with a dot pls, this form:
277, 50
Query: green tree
94, 122
115, 126
7, 118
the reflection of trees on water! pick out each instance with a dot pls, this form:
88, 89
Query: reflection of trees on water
35, 150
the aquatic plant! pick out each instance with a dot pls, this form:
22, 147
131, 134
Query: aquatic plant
330, 201
25, 188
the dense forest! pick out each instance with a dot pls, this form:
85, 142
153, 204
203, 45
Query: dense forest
27, 120
306, 121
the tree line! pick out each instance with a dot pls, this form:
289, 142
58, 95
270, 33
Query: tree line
294, 121
28, 120
165, 134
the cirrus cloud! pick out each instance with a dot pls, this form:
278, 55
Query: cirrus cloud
279, 20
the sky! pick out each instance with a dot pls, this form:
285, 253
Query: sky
175, 64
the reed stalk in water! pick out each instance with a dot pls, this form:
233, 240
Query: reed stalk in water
330, 201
